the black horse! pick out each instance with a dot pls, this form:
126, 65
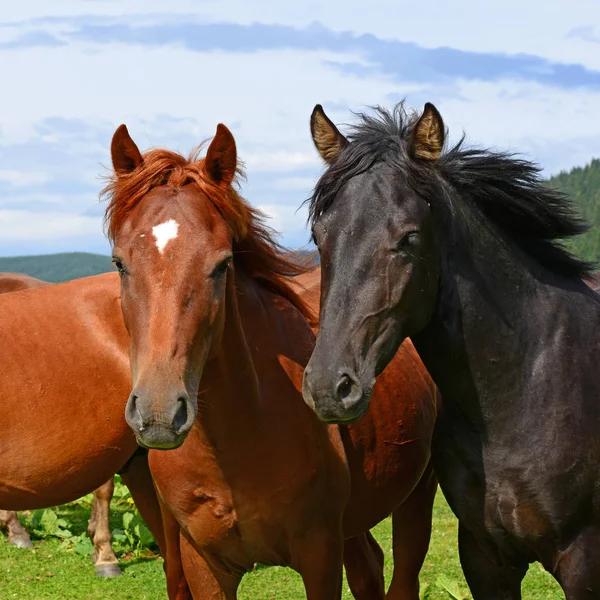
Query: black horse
461, 250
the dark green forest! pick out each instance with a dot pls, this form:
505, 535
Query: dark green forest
581, 183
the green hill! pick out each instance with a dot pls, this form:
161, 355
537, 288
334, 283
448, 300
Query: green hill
58, 267
583, 185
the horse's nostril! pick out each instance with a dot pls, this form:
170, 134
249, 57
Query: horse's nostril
133, 415
181, 415
344, 387
348, 390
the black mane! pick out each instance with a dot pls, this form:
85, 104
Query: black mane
507, 190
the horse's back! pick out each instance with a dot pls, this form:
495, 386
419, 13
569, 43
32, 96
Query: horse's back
308, 285
15, 282
63, 390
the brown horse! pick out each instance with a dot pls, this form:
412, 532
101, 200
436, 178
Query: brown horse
103, 556
219, 340
65, 379
15, 282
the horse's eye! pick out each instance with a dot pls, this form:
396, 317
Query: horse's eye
412, 239
119, 266
321, 231
221, 268
408, 241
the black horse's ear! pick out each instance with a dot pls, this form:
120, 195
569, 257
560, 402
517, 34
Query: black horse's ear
328, 140
428, 135
124, 153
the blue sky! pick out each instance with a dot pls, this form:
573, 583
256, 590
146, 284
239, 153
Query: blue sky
515, 75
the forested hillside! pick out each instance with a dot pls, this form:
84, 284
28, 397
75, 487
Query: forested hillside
583, 185
58, 267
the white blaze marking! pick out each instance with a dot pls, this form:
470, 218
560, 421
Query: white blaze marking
164, 233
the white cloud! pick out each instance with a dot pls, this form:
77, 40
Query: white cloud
525, 117
173, 97
19, 179
303, 184
25, 226
264, 91
275, 161
287, 218
511, 26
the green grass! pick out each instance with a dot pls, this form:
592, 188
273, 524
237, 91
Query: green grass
50, 571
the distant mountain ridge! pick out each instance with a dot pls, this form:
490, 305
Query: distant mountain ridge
581, 183
58, 267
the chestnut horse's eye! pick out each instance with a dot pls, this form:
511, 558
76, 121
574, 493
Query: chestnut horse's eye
119, 265
221, 268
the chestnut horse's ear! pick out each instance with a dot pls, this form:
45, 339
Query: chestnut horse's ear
221, 157
125, 154
428, 135
326, 136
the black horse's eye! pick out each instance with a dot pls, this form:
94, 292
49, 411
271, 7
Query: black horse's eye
313, 235
407, 242
221, 268
119, 266
412, 239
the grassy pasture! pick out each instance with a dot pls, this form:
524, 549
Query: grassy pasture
62, 570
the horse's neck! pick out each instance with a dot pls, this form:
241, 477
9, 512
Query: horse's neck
229, 386
497, 313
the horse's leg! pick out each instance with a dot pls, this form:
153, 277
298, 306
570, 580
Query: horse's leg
487, 580
91, 529
411, 530
177, 586
578, 567
103, 557
207, 582
318, 557
136, 476
165, 529
363, 559
17, 535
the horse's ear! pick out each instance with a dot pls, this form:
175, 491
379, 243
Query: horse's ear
125, 154
221, 157
428, 135
326, 136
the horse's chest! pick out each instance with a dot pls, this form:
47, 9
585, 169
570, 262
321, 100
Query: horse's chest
494, 495
209, 514
241, 537
510, 511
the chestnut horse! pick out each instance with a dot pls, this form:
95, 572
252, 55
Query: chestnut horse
103, 557
219, 340
64, 383
15, 282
